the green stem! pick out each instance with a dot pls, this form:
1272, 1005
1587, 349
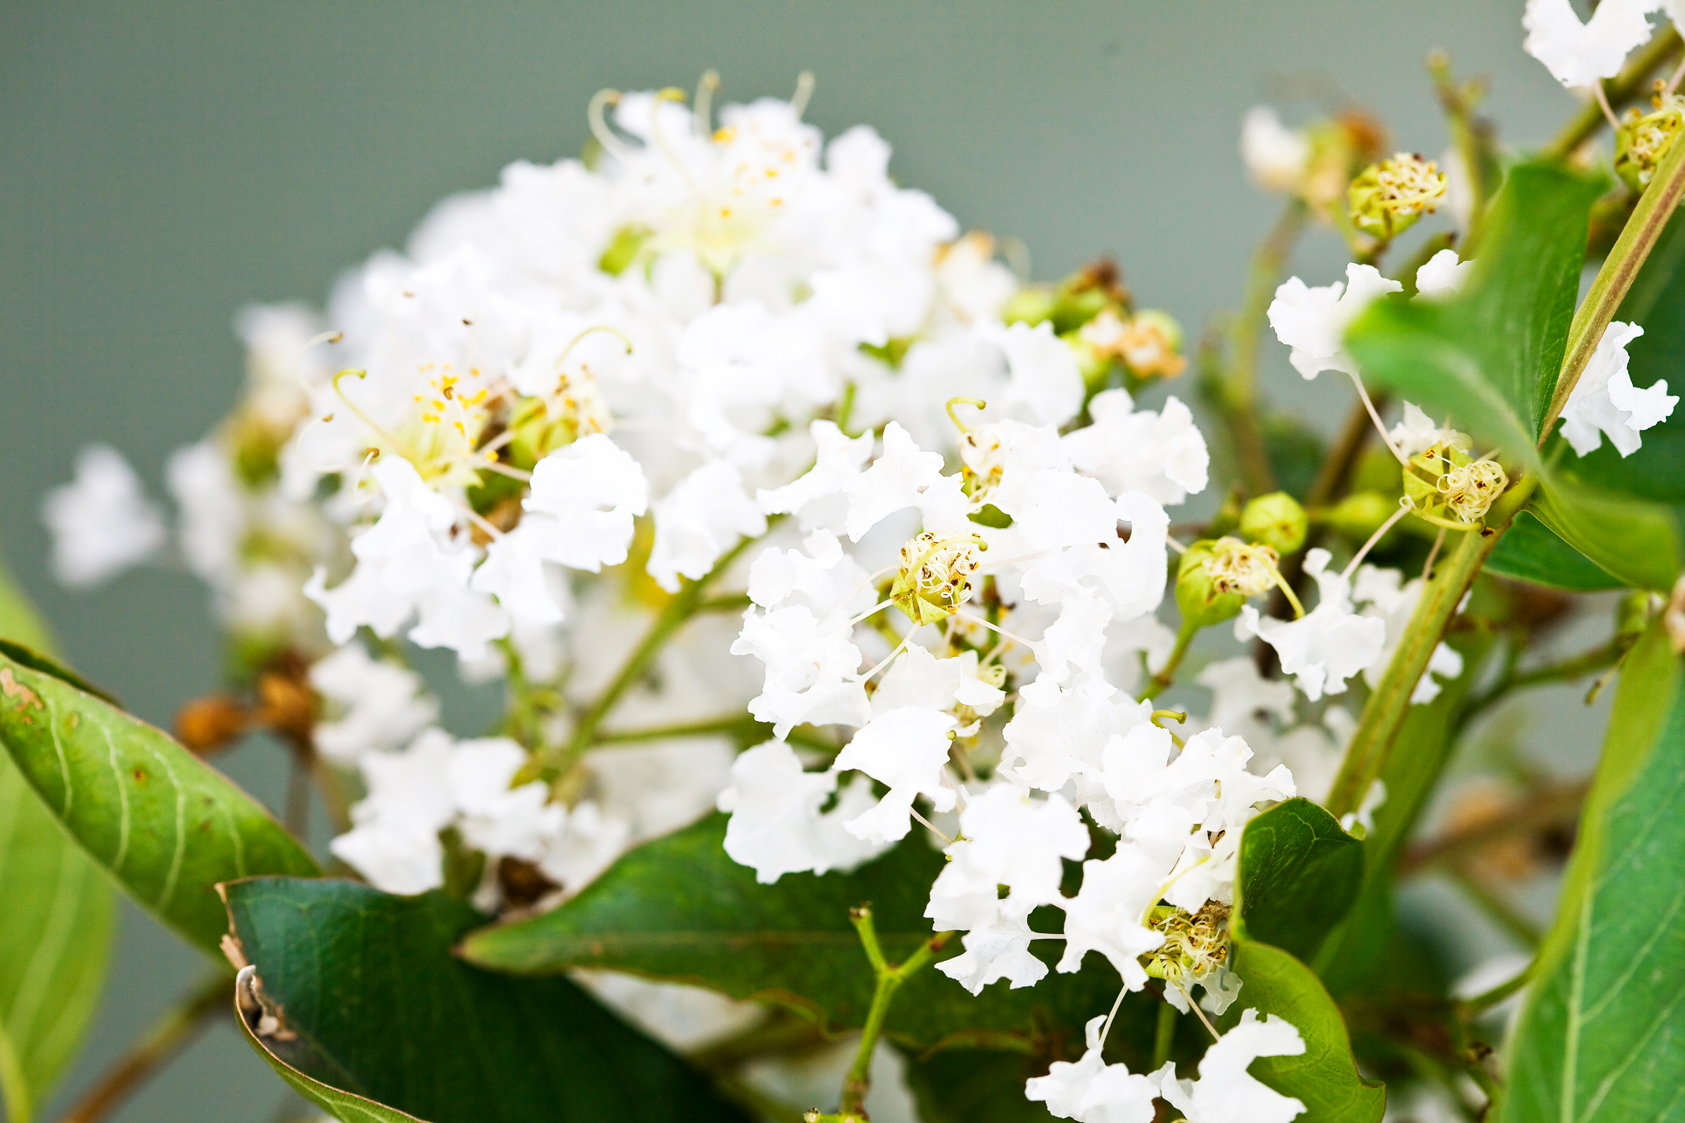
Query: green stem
1164, 1036
1480, 1003
1613, 280
1390, 701
551, 764
1167, 673
1623, 86
168, 1036
1604, 655
1500, 911
1235, 389
858, 1080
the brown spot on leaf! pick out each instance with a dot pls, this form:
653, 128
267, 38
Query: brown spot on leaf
12, 688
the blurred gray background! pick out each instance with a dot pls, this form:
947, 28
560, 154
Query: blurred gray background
166, 162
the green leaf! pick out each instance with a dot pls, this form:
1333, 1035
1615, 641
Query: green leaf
56, 927
679, 909
1489, 358
974, 1086
1530, 552
1324, 1077
163, 823
1635, 541
1298, 876
381, 1013
55, 946
1598, 1039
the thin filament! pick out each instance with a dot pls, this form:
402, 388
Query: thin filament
1351, 566
1374, 416
804, 91
704, 102
612, 144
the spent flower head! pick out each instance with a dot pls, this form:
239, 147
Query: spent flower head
1387, 198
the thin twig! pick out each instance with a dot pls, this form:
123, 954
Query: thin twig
167, 1037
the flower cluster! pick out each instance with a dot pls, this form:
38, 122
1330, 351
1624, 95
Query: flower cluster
742, 358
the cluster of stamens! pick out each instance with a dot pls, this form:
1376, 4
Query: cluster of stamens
1469, 489
934, 578
1241, 567
1194, 945
1409, 184
1142, 342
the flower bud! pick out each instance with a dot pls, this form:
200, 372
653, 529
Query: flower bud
1197, 595
1387, 198
935, 576
1644, 139
1276, 521
1032, 305
1632, 615
1360, 514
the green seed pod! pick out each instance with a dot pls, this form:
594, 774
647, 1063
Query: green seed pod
1360, 514
1275, 520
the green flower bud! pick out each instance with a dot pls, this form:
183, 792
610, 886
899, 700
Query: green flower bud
1276, 521
1095, 364
1360, 514
1632, 615
1643, 139
1387, 198
1198, 595
1031, 305
628, 242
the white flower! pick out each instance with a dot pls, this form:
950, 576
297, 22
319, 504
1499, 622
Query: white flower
905, 748
102, 522
810, 668
1578, 54
1162, 454
1045, 382
579, 514
1416, 432
904, 476
776, 826
1442, 275
997, 950
1329, 644
1092, 1091
213, 518
1018, 842
699, 520
1275, 155
1241, 698
411, 563
494, 818
395, 843
1056, 733
1108, 914
1225, 1092
1312, 321
385, 705
816, 498
1604, 400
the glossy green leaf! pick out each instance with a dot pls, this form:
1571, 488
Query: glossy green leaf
1298, 875
1489, 358
679, 909
270, 1042
379, 1021
1635, 541
162, 822
56, 927
974, 1086
1324, 1077
1528, 551
1598, 1039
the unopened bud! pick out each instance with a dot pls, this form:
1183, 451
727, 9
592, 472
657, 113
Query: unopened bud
1644, 139
1275, 520
1032, 305
1360, 514
1387, 198
1632, 614
205, 725
935, 576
